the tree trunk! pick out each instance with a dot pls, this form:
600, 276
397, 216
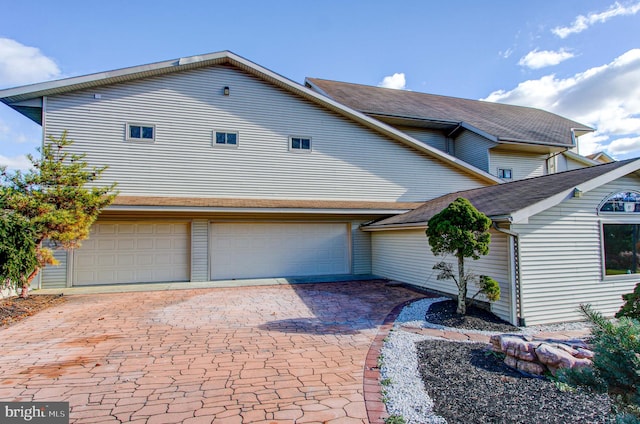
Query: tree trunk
25, 286
462, 288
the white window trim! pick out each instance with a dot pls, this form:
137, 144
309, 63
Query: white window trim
291, 149
143, 140
617, 213
225, 145
505, 169
603, 266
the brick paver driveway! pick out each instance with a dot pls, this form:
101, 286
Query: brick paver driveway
273, 354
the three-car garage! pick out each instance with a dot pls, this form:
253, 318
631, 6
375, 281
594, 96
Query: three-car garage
120, 252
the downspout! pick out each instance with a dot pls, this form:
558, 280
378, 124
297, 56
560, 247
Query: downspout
514, 261
43, 123
449, 140
553, 156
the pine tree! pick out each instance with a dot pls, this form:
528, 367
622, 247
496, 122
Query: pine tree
631, 307
462, 230
56, 200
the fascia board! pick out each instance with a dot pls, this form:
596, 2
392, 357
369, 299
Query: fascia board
101, 78
522, 215
609, 176
580, 158
121, 208
411, 226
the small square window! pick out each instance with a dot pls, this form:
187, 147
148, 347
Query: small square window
300, 144
222, 138
140, 132
505, 173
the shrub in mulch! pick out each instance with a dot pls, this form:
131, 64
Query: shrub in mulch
444, 313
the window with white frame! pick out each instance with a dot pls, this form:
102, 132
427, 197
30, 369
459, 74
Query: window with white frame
621, 240
505, 173
621, 248
225, 138
140, 132
300, 144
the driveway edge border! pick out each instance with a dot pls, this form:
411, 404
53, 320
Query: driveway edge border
372, 390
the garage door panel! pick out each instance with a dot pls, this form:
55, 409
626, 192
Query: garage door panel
125, 260
133, 252
105, 229
278, 250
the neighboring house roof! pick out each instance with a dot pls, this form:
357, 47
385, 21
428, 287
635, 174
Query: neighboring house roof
28, 99
207, 204
601, 157
498, 122
517, 201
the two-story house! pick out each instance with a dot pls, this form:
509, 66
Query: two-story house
227, 170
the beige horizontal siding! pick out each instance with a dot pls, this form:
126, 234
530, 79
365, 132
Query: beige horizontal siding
200, 250
55, 276
361, 249
523, 165
561, 259
405, 256
432, 138
347, 162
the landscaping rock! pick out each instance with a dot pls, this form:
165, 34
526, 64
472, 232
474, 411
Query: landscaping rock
532, 356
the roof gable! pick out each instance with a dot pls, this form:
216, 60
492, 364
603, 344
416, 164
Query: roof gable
517, 201
18, 97
496, 121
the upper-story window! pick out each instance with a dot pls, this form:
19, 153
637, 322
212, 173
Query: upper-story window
300, 144
225, 138
505, 173
139, 132
622, 202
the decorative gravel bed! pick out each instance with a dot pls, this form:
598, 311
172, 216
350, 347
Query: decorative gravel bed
427, 380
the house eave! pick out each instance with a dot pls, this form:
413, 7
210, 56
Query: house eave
320, 211
391, 227
421, 225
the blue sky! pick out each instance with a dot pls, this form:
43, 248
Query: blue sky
577, 58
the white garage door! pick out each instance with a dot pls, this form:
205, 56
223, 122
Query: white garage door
133, 252
278, 250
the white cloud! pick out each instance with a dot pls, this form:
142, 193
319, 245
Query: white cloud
606, 97
20, 64
396, 81
624, 145
537, 59
17, 162
582, 22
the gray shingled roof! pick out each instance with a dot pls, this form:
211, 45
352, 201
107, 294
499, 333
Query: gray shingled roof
504, 199
504, 122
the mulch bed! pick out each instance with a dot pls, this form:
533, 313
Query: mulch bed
14, 309
470, 385
444, 313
